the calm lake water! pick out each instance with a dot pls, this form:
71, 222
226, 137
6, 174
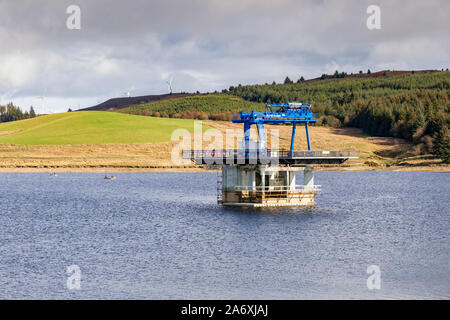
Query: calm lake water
162, 236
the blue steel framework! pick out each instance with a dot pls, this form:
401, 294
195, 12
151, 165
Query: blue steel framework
279, 113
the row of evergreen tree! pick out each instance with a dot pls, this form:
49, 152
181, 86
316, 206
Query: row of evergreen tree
12, 113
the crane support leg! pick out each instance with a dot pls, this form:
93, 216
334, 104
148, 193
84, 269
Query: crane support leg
293, 136
262, 139
307, 136
246, 137
247, 131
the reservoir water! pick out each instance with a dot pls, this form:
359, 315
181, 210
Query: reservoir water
162, 236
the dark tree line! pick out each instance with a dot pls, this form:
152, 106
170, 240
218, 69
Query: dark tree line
415, 107
13, 113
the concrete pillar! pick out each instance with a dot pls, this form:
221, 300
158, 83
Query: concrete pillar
291, 180
287, 179
252, 179
238, 176
262, 172
230, 177
271, 180
243, 177
224, 177
308, 176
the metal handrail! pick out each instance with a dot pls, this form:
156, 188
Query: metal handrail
278, 188
279, 153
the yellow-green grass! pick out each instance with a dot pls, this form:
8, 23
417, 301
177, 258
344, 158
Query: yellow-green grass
90, 127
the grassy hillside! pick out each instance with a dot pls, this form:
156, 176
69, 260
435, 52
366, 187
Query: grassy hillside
90, 127
204, 106
410, 105
414, 106
335, 89
122, 102
393, 105
326, 95
376, 152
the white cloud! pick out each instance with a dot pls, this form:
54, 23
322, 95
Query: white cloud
332, 67
17, 69
411, 53
107, 67
410, 49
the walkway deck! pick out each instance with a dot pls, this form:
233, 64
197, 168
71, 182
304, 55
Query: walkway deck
274, 157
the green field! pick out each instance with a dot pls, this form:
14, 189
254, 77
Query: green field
90, 127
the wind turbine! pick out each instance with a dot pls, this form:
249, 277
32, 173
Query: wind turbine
169, 84
42, 98
128, 92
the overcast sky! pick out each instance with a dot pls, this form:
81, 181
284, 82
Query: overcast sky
203, 45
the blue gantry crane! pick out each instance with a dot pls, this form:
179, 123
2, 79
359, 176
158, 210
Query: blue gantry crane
278, 113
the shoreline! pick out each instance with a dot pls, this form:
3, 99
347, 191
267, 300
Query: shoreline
197, 169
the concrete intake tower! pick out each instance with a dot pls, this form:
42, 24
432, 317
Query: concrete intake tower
256, 176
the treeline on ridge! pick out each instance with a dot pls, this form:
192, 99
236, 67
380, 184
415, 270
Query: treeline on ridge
13, 113
414, 107
212, 106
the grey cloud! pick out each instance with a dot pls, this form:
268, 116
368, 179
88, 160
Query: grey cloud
206, 45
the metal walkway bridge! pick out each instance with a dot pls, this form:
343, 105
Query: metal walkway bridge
268, 156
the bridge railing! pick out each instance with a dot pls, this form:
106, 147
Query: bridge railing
267, 153
296, 188
325, 154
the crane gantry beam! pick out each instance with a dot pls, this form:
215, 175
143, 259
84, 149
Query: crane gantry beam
278, 113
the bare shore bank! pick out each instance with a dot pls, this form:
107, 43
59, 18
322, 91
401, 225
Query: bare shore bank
376, 153
203, 169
